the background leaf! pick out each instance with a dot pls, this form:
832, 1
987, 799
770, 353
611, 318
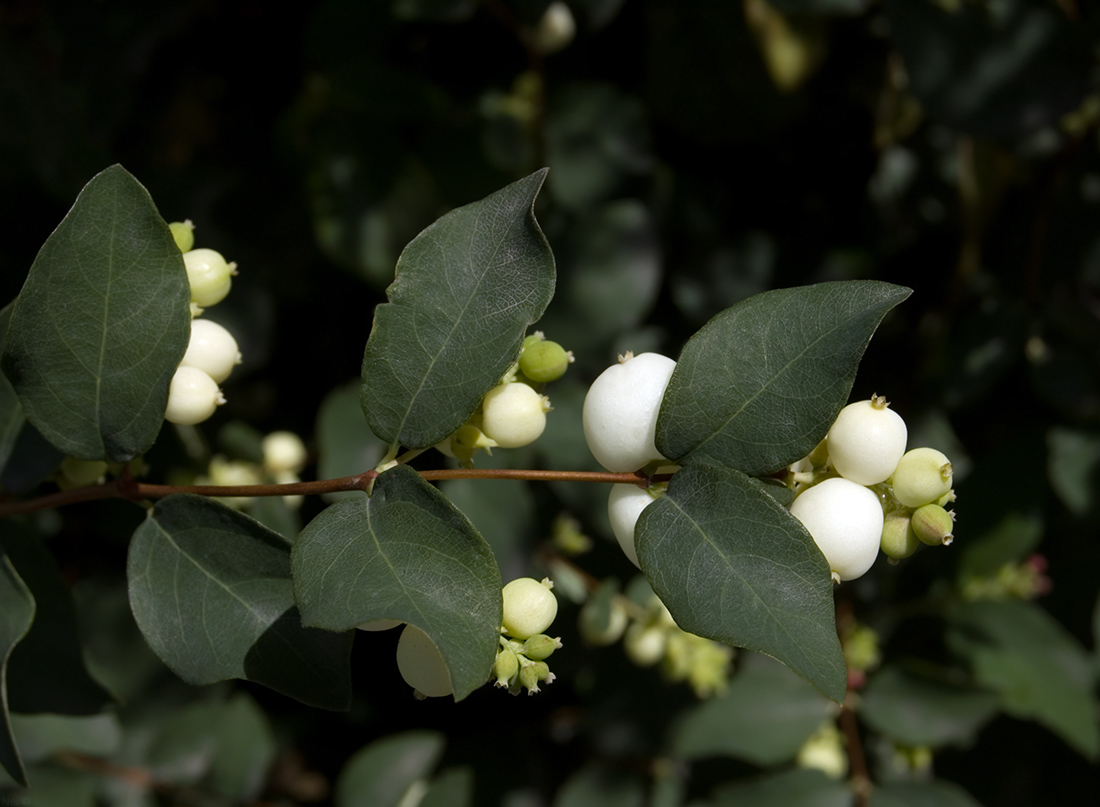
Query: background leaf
101, 324
404, 553
923, 794
758, 386
800, 787
11, 411
1033, 663
465, 292
733, 565
16, 615
211, 591
381, 774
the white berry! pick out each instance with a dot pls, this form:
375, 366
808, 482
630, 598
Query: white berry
866, 441
192, 397
283, 451
620, 411
209, 276
845, 520
529, 607
513, 415
625, 504
212, 349
421, 664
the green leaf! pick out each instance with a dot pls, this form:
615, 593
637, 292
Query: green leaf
381, 774
923, 794
921, 712
211, 592
16, 616
764, 718
734, 565
404, 553
465, 292
101, 324
1039, 670
800, 787
345, 443
11, 411
1073, 467
596, 785
46, 671
453, 787
245, 749
758, 386
42, 736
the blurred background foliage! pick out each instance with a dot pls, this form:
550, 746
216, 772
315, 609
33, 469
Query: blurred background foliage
699, 151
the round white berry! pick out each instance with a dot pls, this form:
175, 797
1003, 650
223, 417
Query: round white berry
845, 520
513, 415
212, 349
625, 504
529, 607
421, 664
192, 397
620, 411
283, 451
866, 441
209, 276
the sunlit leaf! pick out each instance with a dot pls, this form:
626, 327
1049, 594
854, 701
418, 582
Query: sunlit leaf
404, 553
734, 565
758, 386
101, 324
465, 292
211, 591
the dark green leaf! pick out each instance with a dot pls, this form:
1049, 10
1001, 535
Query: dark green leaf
1073, 467
453, 787
46, 671
800, 787
11, 411
16, 616
465, 292
597, 786
759, 385
921, 712
1039, 670
404, 553
734, 565
245, 749
923, 794
42, 736
211, 591
764, 718
101, 324
381, 774
345, 443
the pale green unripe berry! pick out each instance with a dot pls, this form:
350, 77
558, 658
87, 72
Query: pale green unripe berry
513, 415
76, 473
209, 276
380, 624
620, 411
422, 665
505, 667
540, 646
923, 475
845, 520
933, 525
283, 451
192, 397
866, 441
183, 233
898, 539
529, 607
531, 674
212, 349
625, 504
644, 644
543, 361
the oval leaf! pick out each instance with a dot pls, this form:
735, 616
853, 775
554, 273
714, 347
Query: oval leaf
404, 553
16, 616
210, 589
381, 774
734, 565
465, 292
101, 323
759, 385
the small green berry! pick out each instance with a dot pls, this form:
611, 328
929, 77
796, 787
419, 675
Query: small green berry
898, 539
923, 475
544, 361
540, 646
933, 525
183, 232
505, 667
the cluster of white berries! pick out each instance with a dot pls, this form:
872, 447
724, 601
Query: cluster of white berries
212, 353
284, 458
513, 413
529, 607
860, 491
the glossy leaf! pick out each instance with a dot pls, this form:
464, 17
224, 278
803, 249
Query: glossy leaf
211, 591
16, 616
381, 774
735, 566
758, 386
465, 292
404, 553
1017, 650
799, 787
46, 671
764, 718
918, 712
101, 324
